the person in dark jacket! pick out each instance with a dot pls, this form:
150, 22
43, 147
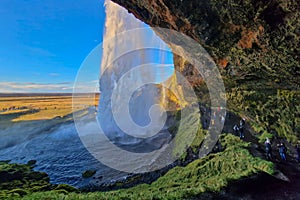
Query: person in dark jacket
268, 149
236, 130
242, 127
282, 151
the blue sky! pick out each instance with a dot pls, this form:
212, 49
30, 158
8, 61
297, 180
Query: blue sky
44, 42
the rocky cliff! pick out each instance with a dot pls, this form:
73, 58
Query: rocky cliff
249, 40
255, 44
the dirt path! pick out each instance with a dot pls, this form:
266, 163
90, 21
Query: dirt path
285, 184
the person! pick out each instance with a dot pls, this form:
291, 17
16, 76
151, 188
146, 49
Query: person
236, 130
298, 152
268, 149
243, 122
241, 128
282, 151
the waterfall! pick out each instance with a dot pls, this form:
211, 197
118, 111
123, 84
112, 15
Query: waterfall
130, 130
113, 69
137, 87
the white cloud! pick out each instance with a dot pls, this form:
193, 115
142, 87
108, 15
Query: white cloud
32, 87
54, 74
28, 87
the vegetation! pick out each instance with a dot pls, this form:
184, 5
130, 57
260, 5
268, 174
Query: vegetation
261, 72
88, 173
209, 174
271, 113
19, 180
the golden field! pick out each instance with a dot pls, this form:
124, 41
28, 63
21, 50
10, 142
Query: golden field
43, 107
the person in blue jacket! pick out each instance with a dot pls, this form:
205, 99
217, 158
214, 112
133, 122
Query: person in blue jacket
282, 151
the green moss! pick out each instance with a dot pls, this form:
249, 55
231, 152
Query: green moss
18, 191
188, 130
18, 180
269, 111
61, 191
210, 173
66, 187
31, 162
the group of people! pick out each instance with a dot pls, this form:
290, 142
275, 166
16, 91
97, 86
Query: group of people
239, 129
282, 150
281, 147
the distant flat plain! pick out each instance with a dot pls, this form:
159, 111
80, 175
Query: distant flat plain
29, 107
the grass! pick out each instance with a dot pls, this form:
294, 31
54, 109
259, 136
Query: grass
209, 174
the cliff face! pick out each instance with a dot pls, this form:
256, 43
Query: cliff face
255, 44
249, 40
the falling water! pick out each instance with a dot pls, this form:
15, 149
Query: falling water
118, 20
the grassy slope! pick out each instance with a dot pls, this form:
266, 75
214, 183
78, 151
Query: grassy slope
203, 175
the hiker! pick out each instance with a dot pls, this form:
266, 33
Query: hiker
268, 149
282, 151
241, 128
236, 130
298, 152
243, 122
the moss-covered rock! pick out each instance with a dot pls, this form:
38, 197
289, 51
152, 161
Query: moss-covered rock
19, 180
88, 173
66, 187
31, 162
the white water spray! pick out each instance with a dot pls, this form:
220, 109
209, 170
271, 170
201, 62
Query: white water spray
113, 68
